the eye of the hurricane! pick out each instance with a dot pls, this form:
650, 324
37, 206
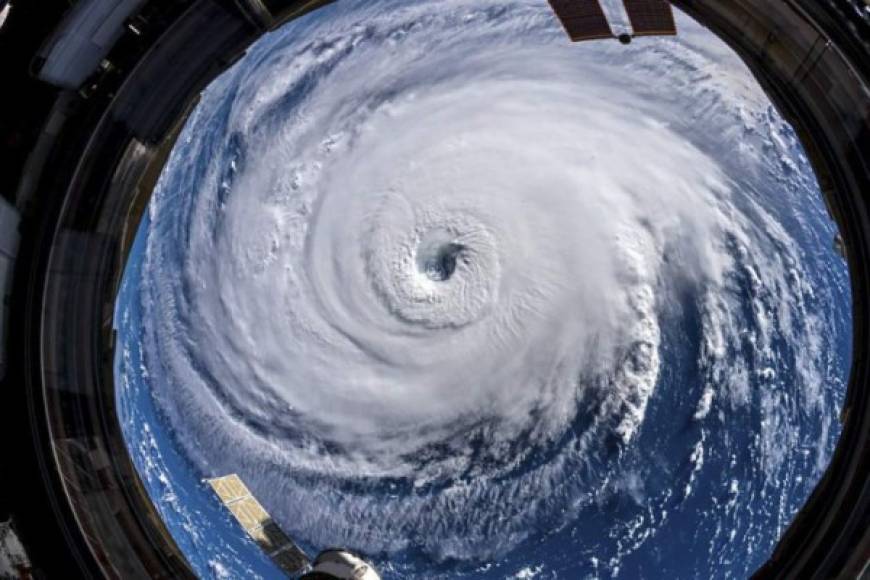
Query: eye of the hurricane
438, 261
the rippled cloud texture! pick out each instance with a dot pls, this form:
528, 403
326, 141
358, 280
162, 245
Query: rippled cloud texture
419, 272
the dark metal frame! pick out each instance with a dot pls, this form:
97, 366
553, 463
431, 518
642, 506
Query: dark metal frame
98, 156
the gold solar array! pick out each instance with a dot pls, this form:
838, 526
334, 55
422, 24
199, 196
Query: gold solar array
582, 19
650, 17
257, 522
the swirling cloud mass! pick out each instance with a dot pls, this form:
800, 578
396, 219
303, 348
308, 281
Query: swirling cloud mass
438, 283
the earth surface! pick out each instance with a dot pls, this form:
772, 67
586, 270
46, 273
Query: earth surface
476, 302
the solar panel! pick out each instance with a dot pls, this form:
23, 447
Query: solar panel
234, 494
650, 17
582, 19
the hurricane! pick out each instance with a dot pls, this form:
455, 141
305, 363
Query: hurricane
450, 290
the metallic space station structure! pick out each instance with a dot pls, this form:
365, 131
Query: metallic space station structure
94, 93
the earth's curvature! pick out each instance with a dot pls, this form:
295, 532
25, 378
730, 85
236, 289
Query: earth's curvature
449, 290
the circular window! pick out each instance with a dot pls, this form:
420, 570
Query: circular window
447, 289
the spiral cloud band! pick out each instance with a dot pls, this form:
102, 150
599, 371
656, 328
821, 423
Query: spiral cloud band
416, 271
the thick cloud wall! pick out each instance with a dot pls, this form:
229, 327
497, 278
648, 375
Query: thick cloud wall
416, 271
